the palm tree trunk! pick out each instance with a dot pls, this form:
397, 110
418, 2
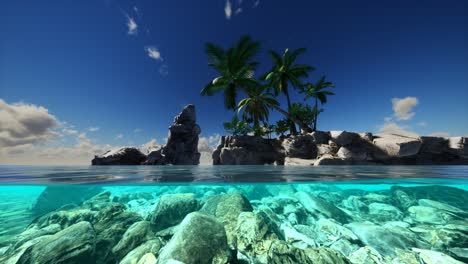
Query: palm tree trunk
292, 127
301, 124
316, 114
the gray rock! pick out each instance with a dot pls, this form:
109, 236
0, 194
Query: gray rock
344, 138
227, 209
198, 239
441, 206
397, 146
325, 149
320, 137
330, 160
155, 157
172, 208
135, 235
248, 150
384, 212
74, 244
182, 143
366, 255
316, 205
434, 257
352, 153
150, 246
428, 215
120, 156
300, 146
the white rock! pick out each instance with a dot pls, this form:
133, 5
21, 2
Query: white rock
397, 146
434, 257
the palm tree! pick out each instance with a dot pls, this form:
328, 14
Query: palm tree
257, 106
235, 68
319, 93
285, 72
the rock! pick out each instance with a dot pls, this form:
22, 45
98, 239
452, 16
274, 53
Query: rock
155, 157
53, 197
148, 258
344, 246
330, 160
281, 252
34, 232
172, 208
434, 257
248, 150
300, 146
384, 240
74, 244
344, 138
227, 208
320, 137
328, 231
182, 143
367, 136
325, 149
366, 255
406, 257
150, 246
384, 212
441, 206
298, 162
397, 146
198, 238
459, 253
354, 203
296, 238
120, 156
135, 235
401, 198
325, 255
352, 153
428, 215
316, 205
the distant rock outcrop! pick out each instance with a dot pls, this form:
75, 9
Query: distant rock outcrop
181, 147
341, 148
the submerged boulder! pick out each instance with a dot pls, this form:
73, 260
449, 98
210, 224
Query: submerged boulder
120, 156
198, 239
172, 208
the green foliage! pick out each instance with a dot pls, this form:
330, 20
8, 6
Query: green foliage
259, 130
303, 112
319, 93
235, 67
257, 106
237, 127
281, 127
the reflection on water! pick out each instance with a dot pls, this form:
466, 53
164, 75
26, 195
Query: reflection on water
154, 174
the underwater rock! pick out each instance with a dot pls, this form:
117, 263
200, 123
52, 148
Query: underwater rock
444, 194
329, 231
98, 201
316, 205
34, 232
74, 244
198, 238
384, 212
172, 208
151, 246
384, 240
148, 258
300, 146
434, 257
325, 255
227, 208
344, 246
135, 235
459, 253
65, 218
248, 150
401, 198
441, 206
354, 203
182, 142
53, 197
429, 215
366, 255
120, 156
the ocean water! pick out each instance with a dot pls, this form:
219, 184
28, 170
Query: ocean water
234, 214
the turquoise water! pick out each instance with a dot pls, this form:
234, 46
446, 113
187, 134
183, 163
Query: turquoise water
234, 214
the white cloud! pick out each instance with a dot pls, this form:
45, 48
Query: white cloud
119, 136
93, 129
206, 146
132, 26
402, 107
153, 53
228, 9
70, 131
149, 146
137, 130
394, 128
22, 124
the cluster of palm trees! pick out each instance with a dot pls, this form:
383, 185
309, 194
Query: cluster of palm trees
236, 68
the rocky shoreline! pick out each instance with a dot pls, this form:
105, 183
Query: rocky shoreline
288, 223
316, 148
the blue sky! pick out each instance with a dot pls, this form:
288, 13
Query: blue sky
398, 65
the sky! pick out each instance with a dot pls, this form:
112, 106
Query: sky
80, 77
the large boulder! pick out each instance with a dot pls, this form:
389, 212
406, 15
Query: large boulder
344, 138
182, 143
396, 146
120, 156
248, 150
135, 235
300, 146
198, 239
318, 206
75, 244
172, 208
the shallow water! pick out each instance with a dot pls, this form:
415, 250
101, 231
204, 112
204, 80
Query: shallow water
341, 208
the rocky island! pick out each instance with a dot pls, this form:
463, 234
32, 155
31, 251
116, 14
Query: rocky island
315, 148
